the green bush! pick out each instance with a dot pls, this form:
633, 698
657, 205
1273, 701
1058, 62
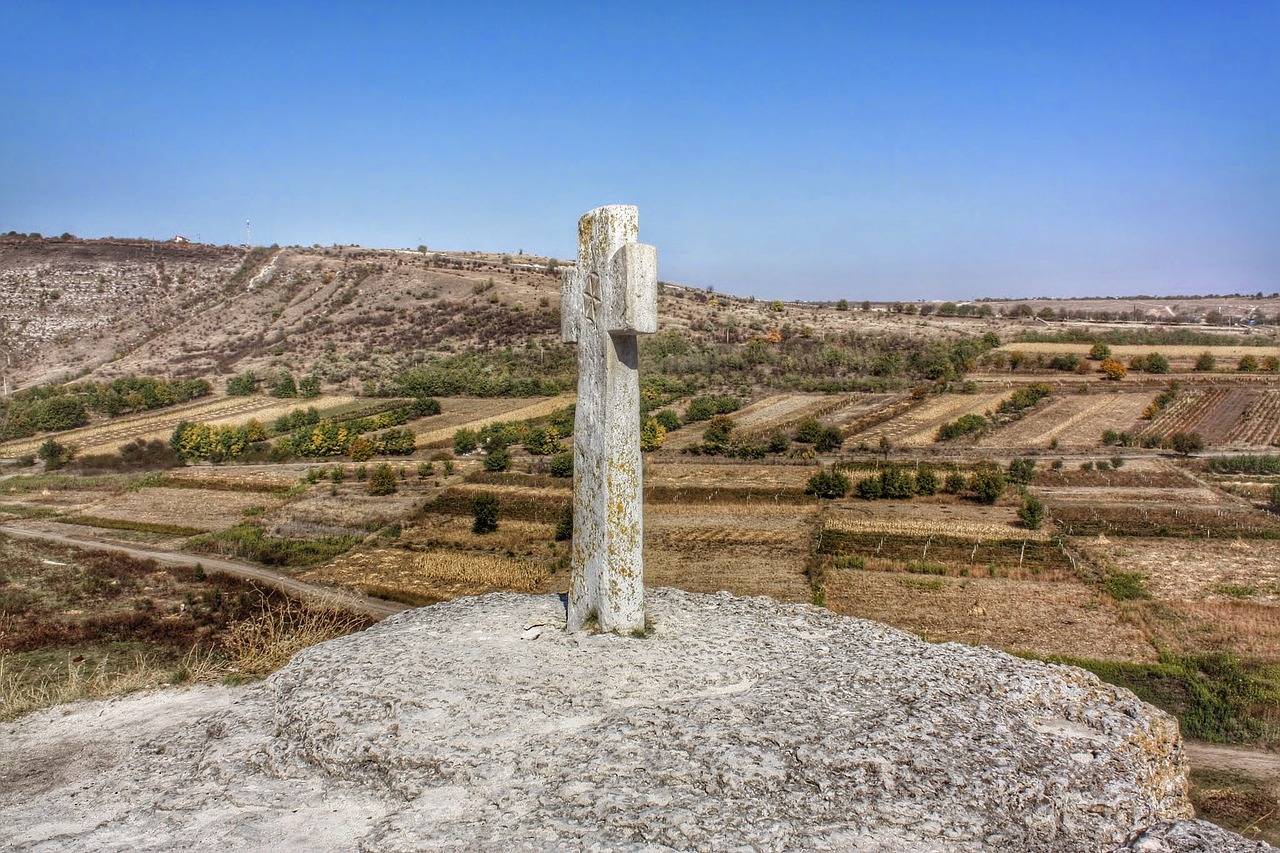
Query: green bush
562, 464
668, 418
564, 525
484, 513
497, 461
870, 488
1125, 586
1031, 512
242, 385
988, 483
926, 480
965, 425
829, 440
828, 484
382, 481
465, 441
1022, 471
954, 483
424, 406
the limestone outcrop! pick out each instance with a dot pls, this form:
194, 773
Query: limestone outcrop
481, 724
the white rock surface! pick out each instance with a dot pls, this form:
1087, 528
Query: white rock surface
740, 724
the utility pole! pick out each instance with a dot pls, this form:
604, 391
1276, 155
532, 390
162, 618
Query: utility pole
247, 243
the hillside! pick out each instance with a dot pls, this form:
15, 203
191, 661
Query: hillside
110, 307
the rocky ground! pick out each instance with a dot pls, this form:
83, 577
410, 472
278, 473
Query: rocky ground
737, 724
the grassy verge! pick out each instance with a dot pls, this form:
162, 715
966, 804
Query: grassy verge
1238, 802
130, 524
248, 541
1216, 697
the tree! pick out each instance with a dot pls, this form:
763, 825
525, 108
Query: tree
562, 464
1156, 363
1186, 443
382, 481
809, 430
830, 440
497, 461
242, 385
309, 387
465, 441
1248, 364
54, 455
988, 483
1100, 352
1022, 471
652, 434
926, 480
827, 484
718, 431
897, 484
1206, 361
1112, 369
954, 483
1031, 512
284, 386
564, 525
870, 488
484, 513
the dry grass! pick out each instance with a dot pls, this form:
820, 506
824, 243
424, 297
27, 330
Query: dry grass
207, 510
933, 525
515, 536
20, 692
432, 575
918, 426
1047, 618
1075, 420
1124, 352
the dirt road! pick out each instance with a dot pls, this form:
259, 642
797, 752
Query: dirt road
375, 607
1262, 765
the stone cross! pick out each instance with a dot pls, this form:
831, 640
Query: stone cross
606, 301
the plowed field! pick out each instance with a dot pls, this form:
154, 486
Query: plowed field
1076, 420
917, 427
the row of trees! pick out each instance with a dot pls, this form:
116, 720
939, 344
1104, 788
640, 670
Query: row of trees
53, 408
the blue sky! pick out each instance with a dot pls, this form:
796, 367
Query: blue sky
887, 150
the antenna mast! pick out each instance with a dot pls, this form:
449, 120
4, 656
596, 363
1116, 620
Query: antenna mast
247, 243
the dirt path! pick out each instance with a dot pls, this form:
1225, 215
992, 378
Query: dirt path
1258, 763
375, 607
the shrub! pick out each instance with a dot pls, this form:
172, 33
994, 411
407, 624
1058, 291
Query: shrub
965, 425
1274, 497
1186, 443
809, 430
1112, 369
465, 441
1206, 361
705, 408
564, 525
954, 483
242, 385
652, 434
897, 484
828, 484
926, 480
484, 513
54, 455
497, 461
1031, 512
382, 481
988, 484
668, 418
284, 386
562, 464
718, 430
870, 488
1100, 352
1022, 471
1248, 364
1125, 586
779, 442
831, 439
424, 406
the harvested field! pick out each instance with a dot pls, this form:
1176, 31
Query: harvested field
1196, 569
514, 502
429, 576
765, 477
1144, 474
107, 436
513, 536
747, 550
1042, 617
474, 413
910, 518
917, 427
1123, 352
1165, 519
1075, 420
1259, 424
206, 510
1186, 412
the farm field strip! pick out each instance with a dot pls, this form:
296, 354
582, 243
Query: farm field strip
1185, 413
1222, 416
1124, 352
457, 415
1075, 420
924, 526
109, 435
917, 427
1258, 424
1119, 411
